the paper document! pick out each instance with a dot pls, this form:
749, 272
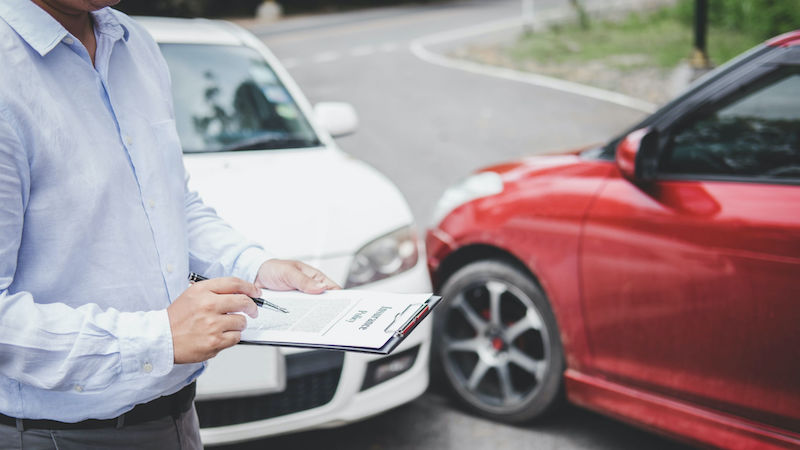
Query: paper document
340, 319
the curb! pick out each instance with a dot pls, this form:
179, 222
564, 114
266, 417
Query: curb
419, 47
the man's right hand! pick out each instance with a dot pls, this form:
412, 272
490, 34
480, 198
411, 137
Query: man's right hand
199, 320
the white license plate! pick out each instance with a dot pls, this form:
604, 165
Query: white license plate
241, 371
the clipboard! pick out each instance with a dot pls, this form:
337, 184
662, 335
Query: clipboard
390, 330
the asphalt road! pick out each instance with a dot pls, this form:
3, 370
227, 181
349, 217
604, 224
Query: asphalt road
433, 423
425, 126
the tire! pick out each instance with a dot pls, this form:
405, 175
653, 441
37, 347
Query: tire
505, 363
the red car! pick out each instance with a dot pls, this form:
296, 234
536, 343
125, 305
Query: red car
656, 279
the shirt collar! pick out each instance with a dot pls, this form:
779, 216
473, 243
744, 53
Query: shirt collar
106, 22
42, 32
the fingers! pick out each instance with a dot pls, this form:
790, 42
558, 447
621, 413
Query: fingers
230, 338
232, 295
310, 279
232, 303
224, 323
306, 279
201, 320
233, 322
319, 277
286, 275
230, 285
221, 342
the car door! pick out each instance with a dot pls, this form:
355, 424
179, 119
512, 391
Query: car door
691, 283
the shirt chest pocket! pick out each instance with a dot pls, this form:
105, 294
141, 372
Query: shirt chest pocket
162, 160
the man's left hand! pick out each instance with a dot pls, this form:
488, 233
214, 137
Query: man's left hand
287, 275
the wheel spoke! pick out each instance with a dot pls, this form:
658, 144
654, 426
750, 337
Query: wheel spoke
527, 363
470, 314
505, 383
517, 329
462, 345
477, 375
496, 289
533, 318
531, 321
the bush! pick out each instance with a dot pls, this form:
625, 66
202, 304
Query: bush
760, 18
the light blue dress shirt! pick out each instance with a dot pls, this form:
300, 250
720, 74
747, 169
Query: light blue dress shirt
98, 230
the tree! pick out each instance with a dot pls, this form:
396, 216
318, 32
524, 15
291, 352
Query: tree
583, 16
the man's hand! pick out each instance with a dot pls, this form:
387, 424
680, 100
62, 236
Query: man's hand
199, 319
287, 275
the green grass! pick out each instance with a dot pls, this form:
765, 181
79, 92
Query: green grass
656, 40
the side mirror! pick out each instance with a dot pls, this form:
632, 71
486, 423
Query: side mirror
636, 155
338, 119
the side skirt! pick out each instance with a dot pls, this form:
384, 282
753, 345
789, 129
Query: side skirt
676, 419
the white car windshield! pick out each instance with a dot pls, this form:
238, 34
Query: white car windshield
228, 98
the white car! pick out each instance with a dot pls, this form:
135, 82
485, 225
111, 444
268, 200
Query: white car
265, 160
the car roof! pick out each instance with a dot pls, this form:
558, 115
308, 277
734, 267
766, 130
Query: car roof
789, 39
190, 31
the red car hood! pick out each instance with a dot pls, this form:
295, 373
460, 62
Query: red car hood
540, 165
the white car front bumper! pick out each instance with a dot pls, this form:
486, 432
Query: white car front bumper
312, 379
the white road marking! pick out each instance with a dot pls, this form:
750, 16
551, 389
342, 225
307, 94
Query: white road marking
290, 62
325, 57
362, 50
418, 48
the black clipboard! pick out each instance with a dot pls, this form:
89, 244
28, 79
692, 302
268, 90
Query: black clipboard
398, 334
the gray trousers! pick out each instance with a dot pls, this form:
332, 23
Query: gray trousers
182, 433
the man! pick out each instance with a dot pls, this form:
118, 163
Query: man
100, 339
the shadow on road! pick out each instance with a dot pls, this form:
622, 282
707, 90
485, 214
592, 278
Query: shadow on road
433, 421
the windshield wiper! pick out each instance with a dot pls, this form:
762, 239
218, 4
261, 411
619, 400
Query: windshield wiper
269, 142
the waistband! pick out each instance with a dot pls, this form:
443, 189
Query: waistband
169, 405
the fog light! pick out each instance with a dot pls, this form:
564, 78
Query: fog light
387, 368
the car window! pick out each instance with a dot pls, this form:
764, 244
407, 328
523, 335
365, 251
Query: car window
229, 98
755, 136
610, 149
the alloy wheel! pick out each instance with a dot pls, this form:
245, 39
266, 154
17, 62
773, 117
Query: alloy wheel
495, 346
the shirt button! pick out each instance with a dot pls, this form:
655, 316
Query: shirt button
147, 367
151, 204
170, 268
68, 40
78, 388
128, 140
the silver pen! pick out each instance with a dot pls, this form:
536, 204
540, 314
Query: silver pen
194, 277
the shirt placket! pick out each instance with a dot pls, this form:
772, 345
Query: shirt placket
147, 195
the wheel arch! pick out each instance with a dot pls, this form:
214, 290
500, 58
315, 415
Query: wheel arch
475, 252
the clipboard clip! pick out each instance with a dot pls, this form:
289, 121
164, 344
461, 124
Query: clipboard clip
413, 320
392, 327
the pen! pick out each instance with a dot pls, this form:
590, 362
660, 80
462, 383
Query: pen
193, 277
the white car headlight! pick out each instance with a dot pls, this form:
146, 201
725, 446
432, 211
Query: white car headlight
474, 186
388, 255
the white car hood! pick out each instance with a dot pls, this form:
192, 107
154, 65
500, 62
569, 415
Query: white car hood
304, 204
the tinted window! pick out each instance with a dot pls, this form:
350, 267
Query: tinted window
755, 136
228, 98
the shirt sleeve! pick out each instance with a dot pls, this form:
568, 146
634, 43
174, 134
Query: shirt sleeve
215, 248
50, 345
